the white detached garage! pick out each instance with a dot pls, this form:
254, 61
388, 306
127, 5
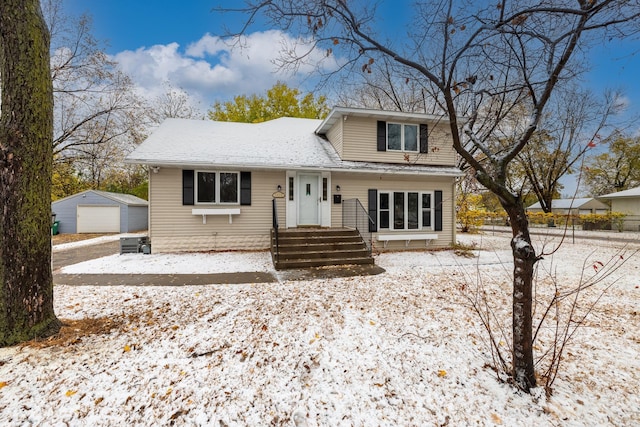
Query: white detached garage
94, 211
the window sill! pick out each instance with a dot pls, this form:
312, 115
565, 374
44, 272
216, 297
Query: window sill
407, 237
205, 212
391, 150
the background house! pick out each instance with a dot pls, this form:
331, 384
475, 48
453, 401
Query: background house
94, 211
581, 206
628, 203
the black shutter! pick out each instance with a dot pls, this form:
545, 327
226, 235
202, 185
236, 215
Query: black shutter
382, 136
187, 187
373, 210
438, 207
245, 188
424, 138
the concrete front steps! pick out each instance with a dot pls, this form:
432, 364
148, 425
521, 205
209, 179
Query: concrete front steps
317, 247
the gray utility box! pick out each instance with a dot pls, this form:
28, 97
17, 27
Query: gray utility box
134, 245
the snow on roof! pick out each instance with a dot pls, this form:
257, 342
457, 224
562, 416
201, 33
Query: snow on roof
564, 203
632, 192
126, 199
284, 143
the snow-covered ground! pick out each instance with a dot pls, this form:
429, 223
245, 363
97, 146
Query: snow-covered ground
400, 348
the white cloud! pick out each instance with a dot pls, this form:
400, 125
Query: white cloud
207, 45
216, 69
622, 103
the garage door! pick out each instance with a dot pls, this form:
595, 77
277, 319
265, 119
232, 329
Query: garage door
98, 219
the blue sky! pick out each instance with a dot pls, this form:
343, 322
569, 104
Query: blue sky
176, 41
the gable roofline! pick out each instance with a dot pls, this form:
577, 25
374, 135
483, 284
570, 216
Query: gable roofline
126, 199
340, 113
631, 192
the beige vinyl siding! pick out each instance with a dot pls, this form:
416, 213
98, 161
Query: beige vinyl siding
335, 137
173, 228
359, 144
357, 185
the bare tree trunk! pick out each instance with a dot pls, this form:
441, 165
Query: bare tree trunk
524, 258
26, 133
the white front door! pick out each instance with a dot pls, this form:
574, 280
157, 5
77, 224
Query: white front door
308, 200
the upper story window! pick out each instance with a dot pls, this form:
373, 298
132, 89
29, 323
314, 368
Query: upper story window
402, 137
217, 187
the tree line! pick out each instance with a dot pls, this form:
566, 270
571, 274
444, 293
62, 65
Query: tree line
99, 118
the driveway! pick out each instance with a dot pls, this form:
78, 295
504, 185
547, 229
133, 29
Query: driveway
62, 258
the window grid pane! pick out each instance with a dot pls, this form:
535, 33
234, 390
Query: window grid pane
325, 189
384, 210
412, 211
394, 137
384, 201
398, 211
384, 219
426, 210
228, 187
290, 188
410, 138
206, 187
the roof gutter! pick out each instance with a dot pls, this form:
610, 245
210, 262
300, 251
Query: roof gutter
448, 171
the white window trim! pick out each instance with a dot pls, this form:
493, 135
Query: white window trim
402, 141
406, 206
217, 188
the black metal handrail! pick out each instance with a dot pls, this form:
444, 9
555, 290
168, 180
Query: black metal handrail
275, 249
355, 216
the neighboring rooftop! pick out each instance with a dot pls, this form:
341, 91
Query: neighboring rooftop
126, 199
632, 192
565, 203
